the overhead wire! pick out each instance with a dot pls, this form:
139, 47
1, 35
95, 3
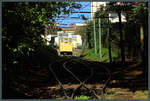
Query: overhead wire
77, 12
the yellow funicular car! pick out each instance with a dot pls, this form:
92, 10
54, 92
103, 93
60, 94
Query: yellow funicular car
65, 45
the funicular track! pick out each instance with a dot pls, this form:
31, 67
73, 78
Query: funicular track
69, 77
43, 81
81, 83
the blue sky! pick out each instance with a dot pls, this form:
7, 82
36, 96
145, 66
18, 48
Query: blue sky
86, 6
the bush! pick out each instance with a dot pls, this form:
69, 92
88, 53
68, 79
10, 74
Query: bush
42, 55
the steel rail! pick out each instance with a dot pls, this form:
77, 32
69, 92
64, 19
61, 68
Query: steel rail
108, 80
88, 66
81, 83
60, 84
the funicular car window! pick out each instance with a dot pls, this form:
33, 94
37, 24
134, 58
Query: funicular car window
62, 40
70, 40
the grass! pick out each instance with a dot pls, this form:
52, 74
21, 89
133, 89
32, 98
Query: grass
110, 96
137, 95
105, 55
82, 97
141, 94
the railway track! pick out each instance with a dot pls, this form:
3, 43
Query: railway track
39, 81
66, 78
82, 83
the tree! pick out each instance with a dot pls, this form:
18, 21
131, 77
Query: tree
138, 21
135, 13
24, 22
140, 15
119, 8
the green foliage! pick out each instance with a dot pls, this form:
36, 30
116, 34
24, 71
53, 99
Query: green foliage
24, 22
105, 56
88, 32
122, 7
140, 13
82, 97
137, 16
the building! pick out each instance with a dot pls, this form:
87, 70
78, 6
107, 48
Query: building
95, 5
113, 17
76, 41
80, 24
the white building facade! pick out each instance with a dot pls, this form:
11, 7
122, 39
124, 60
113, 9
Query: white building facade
95, 5
113, 17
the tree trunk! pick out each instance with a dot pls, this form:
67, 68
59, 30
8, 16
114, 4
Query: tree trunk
109, 42
145, 49
109, 45
121, 39
45, 36
88, 41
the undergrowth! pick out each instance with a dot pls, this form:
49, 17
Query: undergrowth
105, 55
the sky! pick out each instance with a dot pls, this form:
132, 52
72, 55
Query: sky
65, 22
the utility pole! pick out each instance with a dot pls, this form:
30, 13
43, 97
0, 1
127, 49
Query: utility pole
100, 45
95, 38
86, 38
